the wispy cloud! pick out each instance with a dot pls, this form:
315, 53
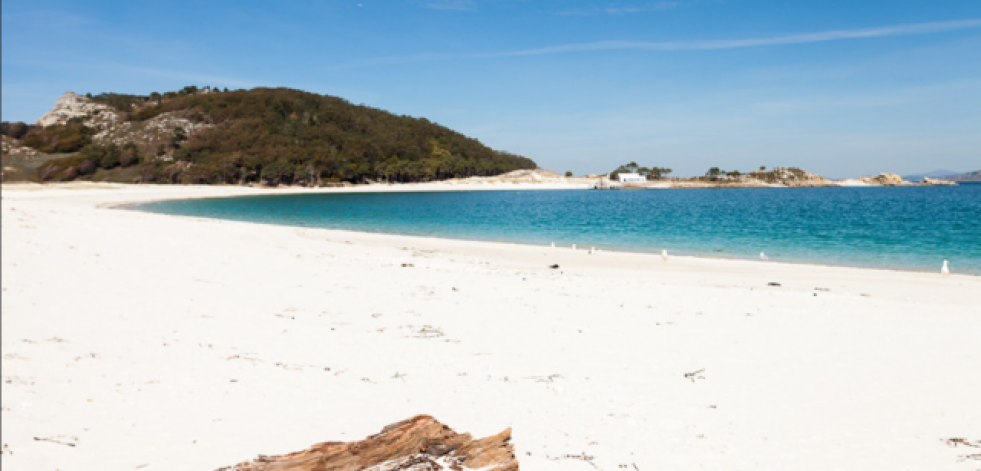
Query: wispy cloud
619, 10
696, 45
192, 77
460, 5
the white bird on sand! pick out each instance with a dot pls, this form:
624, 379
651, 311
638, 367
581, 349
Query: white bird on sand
553, 245
664, 256
573, 246
763, 256
591, 249
944, 270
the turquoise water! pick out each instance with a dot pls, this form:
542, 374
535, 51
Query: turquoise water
900, 228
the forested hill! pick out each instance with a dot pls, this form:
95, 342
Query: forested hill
274, 136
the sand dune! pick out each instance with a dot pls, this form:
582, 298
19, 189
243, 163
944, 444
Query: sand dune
143, 341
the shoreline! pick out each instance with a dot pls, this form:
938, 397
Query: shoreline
440, 188
142, 195
652, 256
158, 342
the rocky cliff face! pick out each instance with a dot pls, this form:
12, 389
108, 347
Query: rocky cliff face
147, 134
113, 127
884, 179
72, 105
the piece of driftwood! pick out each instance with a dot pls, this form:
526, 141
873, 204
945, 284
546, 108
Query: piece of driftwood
421, 443
695, 375
963, 441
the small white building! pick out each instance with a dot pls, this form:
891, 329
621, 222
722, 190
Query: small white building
631, 177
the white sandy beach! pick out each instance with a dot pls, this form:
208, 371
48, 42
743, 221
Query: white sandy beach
143, 341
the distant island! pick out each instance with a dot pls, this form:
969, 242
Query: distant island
633, 175
279, 136
974, 176
947, 175
260, 136
778, 177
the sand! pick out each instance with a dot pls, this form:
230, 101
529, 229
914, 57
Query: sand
153, 342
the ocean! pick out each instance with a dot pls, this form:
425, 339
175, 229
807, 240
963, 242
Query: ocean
906, 228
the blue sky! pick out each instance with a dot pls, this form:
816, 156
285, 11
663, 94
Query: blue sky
842, 88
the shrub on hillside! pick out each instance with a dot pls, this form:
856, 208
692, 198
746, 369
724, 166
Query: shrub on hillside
119, 101
14, 130
59, 138
65, 169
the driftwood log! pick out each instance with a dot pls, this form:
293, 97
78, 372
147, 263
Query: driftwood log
421, 443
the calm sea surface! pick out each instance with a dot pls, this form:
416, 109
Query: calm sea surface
902, 228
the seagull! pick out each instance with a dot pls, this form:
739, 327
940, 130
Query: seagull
553, 245
573, 246
944, 270
664, 256
763, 256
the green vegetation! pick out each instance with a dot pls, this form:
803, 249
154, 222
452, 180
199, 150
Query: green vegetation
778, 175
25, 168
276, 136
124, 102
652, 173
14, 130
715, 172
89, 160
68, 137
119, 101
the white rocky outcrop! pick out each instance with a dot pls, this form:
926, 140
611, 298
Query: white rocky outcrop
72, 105
792, 176
13, 148
891, 179
149, 133
937, 182
885, 179
112, 127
